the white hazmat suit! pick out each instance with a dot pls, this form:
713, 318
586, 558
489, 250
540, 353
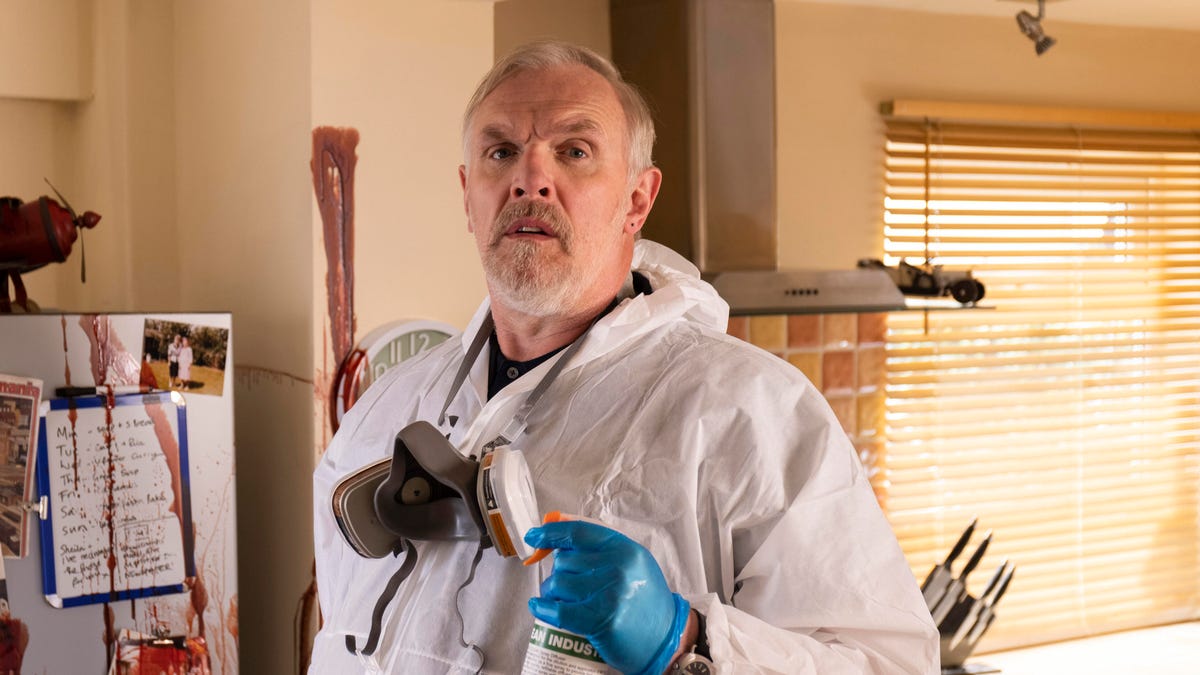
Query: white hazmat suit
724, 461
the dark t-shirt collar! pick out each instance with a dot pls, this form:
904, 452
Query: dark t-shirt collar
503, 371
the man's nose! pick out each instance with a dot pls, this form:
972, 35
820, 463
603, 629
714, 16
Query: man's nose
533, 176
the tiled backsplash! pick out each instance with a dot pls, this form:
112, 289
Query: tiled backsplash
843, 356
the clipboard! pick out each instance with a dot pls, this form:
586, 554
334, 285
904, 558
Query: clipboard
117, 525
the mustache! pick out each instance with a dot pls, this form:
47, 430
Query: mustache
551, 214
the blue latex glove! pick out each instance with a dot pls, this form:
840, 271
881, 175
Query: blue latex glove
609, 589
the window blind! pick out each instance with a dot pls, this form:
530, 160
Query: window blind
1067, 418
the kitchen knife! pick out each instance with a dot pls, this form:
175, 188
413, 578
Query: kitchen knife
958, 587
976, 606
940, 576
988, 613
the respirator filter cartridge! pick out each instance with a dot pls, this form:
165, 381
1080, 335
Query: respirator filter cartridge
506, 496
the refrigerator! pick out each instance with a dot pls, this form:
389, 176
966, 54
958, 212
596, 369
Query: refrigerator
117, 508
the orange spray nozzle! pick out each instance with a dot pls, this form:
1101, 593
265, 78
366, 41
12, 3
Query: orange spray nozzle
541, 553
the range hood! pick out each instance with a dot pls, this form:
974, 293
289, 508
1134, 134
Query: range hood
707, 69
799, 291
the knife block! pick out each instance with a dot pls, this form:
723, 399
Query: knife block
957, 612
953, 659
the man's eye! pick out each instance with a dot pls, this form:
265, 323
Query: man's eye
500, 153
576, 153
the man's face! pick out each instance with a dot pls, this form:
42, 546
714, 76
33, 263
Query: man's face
547, 191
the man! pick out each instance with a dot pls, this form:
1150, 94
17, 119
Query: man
173, 361
748, 529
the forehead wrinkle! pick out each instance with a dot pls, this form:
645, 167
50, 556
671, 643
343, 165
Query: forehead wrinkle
573, 124
570, 126
495, 132
578, 125
563, 123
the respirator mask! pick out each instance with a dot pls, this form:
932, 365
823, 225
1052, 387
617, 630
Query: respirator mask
427, 491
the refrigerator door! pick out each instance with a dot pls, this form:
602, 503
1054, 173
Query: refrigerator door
138, 467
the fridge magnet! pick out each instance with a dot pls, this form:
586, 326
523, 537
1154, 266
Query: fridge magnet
184, 357
19, 400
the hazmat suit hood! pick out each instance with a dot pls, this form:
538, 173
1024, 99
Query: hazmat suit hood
679, 294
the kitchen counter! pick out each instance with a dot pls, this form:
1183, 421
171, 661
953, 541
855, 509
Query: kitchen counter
1163, 650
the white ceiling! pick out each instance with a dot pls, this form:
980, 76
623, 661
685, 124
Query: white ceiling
1177, 14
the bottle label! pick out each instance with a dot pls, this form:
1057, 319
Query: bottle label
553, 650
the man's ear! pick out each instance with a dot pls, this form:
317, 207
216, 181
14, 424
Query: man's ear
462, 179
645, 191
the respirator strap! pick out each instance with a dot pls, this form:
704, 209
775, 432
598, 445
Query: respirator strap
464, 368
629, 289
389, 592
517, 425
462, 635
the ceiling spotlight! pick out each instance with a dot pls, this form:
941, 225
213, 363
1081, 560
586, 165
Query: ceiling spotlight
1031, 26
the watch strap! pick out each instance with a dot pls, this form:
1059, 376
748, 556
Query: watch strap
701, 647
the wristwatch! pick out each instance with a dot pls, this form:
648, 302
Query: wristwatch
697, 661
694, 664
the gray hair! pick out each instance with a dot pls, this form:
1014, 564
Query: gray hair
544, 55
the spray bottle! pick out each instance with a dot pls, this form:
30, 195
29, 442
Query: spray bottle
552, 650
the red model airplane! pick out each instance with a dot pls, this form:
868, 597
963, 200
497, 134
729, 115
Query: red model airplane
33, 234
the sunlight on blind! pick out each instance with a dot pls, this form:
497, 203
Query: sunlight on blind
1067, 418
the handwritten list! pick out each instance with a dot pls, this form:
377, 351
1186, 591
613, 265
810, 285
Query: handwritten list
118, 500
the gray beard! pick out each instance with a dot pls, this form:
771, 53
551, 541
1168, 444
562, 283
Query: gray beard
524, 284
520, 280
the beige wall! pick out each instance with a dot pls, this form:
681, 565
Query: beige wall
148, 125
46, 47
584, 22
242, 115
93, 149
834, 65
242, 110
